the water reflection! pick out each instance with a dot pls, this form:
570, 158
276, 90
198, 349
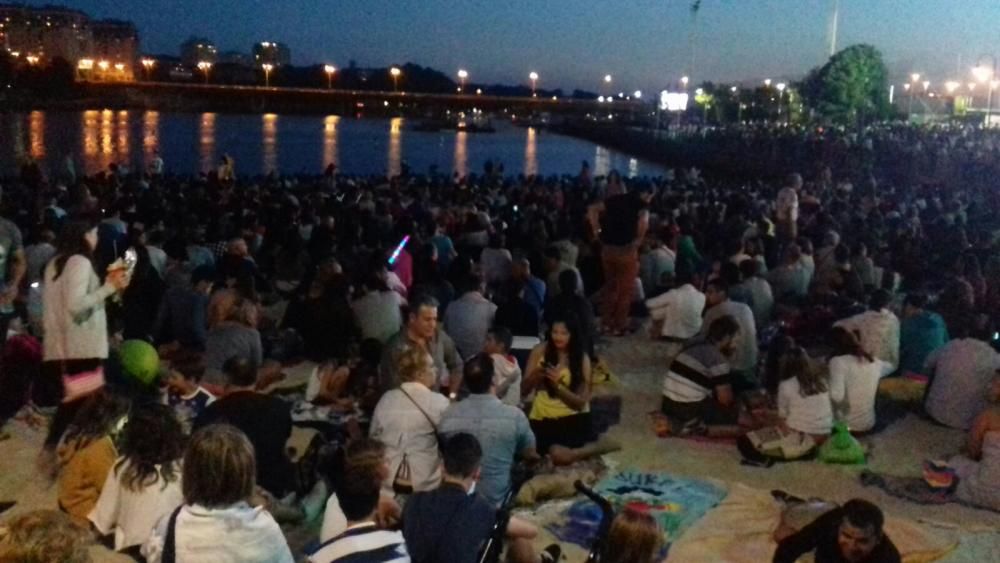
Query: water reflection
122, 134
150, 135
36, 134
330, 155
602, 161
531, 152
269, 143
17, 134
206, 141
395, 146
461, 153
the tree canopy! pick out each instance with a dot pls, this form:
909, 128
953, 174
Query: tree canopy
851, 88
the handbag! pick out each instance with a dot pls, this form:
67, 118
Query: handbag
402, 483
78, 384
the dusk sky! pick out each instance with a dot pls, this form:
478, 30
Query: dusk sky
573, 43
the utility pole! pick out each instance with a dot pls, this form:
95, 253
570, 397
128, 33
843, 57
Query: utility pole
834, 20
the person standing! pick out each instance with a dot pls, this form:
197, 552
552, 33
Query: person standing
786, 209
623, 227
12, 269
76, 332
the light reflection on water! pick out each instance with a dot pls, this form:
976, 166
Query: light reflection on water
191, 143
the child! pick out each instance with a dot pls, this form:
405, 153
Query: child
186, 396
507, 372
145, 483
88, 452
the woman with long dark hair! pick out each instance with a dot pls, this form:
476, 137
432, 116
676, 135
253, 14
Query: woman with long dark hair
559, 373
854, 378
145, 482
76, 330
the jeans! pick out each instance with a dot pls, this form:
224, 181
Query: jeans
621, 266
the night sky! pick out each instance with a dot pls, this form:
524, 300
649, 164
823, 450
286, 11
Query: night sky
573, 43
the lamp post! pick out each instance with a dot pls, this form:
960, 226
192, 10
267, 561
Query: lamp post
147, 65
781, 92
329, 70
267, 67
534, 83
205, 66
462, 75
395, 72
684, 82
986, 74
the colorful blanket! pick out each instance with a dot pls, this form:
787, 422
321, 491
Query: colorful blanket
674, 502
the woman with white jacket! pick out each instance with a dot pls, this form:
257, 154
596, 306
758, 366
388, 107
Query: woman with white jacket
75, 344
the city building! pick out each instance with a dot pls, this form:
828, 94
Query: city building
116, 43
236, 58
46, 33
269, 52
198, 49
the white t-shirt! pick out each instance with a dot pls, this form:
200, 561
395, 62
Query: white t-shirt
812, 414
131, 515
378, 314
853, 386
234, 534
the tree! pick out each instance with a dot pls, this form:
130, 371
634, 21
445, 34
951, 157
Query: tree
851, 88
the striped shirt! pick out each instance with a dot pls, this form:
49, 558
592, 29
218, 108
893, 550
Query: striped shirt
694, 373
363, 543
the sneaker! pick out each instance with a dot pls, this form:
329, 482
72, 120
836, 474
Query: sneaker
551, 554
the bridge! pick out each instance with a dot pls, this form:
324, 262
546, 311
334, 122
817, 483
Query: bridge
259, 99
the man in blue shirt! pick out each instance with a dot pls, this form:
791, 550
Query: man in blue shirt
920, 333
502, 430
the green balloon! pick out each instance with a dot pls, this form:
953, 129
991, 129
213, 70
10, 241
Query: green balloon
139, 360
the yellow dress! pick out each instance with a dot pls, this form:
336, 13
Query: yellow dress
547, 406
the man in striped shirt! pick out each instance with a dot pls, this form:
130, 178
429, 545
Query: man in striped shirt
697, 390
363, 541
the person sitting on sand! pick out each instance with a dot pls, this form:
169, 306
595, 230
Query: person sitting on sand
697, 391
559, 373
852, 533
979, 473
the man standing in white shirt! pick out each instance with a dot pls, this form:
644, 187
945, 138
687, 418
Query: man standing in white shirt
786, 212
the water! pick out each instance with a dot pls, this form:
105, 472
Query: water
192, 142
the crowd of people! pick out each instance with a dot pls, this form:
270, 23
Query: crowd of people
453, 328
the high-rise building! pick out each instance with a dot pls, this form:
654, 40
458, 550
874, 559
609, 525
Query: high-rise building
270, 52
45, 33
198, 49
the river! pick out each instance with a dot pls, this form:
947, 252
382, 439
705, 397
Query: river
290, 144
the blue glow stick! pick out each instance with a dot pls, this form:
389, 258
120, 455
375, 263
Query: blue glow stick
395, 253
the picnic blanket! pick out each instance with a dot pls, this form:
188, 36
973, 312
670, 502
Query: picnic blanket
674, 502
740, 530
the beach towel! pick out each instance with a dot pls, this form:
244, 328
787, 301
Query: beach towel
674, 502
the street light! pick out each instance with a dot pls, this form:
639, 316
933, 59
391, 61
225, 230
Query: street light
205, 66
684, 81
534, 82
951, 86
927, 84
103, 65
395, 72
733, 89
767, 82
972, 87
781, 92
32, 59
329, 70
637, 94
267, 67
462, 75
915, 77
147, 65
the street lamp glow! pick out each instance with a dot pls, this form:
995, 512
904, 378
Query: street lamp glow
982, 73
118, 66
205, 66
329, 70
767, 82
462, 75
32, 59
637, 94
699, 91
906, 86
600, 99
607, 79
395, 72
927, 84
533, 76
267, 68
479, 91
684, 81
972, 86
103, 65
85, 64
951, 86
781, 86
733, 89
915, 77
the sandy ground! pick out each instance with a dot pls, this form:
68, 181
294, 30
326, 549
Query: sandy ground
638, 363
